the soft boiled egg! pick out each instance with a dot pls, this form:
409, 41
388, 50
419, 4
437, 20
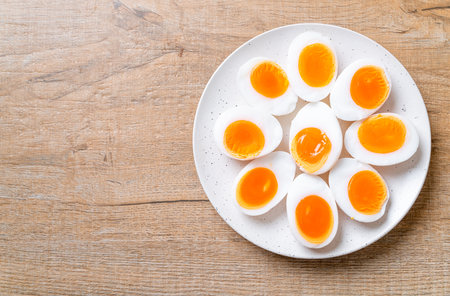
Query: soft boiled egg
265, 85
359, 190
311, 66
263, 183
244, 133
360, 90
311, 211
382, 139
315, 139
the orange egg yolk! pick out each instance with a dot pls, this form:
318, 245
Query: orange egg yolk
382, 133
256, 188
243, 139
369, 87
367, 192
316, 65
310, 149
269, 79
314, 219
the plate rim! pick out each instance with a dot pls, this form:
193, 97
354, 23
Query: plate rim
347, 251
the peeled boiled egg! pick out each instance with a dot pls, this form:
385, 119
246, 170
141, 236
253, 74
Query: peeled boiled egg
311, 211
311, 66
315, 139
263, 183
360, 90
359, 190
382, 139
265, 85
244, 133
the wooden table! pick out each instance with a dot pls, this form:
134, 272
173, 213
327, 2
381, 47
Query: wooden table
98, 190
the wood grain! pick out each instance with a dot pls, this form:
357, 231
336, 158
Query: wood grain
98, 189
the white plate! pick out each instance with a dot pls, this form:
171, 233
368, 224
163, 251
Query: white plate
271, 231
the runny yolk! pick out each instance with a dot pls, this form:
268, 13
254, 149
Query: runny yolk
310, 149
382, 133
269, 79
243, 139
367, 192
369, 87
316, 65
256, 188
314, 219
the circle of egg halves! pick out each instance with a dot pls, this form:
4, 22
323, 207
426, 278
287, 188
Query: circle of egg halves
314, 114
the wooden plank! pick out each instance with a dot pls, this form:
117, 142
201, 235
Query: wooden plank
98, 189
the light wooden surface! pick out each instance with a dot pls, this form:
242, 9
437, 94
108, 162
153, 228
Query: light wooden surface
98, 190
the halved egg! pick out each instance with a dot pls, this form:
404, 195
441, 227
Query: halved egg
311, 211
360, 191
360, 90
244, 133
311, 66
265, 85
263, 183
382, 139
315, 138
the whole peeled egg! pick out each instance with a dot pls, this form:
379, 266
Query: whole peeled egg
360, 90
244, 133
312, 66
360, 191
263, 183
311, 211
264, 85
382, 139
315, 138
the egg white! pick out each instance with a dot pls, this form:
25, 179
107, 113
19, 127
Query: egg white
340, 98
268, 124
303, 90
305, 185
320, 116
282, 165
339, 178
354, 147
281, 105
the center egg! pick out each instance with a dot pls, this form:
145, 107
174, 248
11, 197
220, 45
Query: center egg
315, 139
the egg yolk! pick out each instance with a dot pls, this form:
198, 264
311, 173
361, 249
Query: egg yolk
269, 79
367, 192
256, 188
369, 87
314, 219
243, 139
382, 133
310, 149
316, 65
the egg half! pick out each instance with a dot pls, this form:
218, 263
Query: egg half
315, 138
360, 90
311, 211
244, 133
382, 139
311, 66
360, 191
265, 85
263, 183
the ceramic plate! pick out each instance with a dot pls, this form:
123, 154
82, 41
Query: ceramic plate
271, 231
